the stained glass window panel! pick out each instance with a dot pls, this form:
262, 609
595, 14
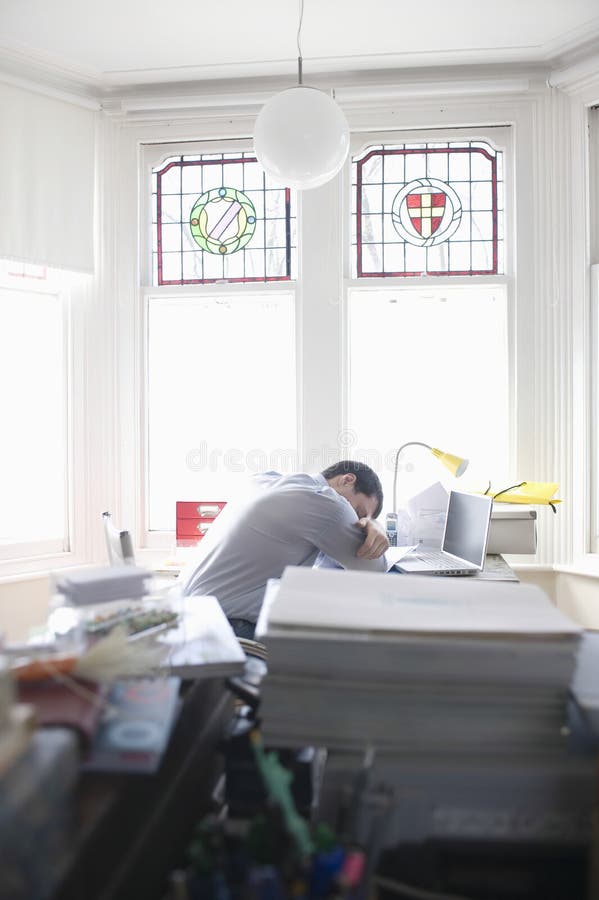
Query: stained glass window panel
218, 217
234, 267
432, 209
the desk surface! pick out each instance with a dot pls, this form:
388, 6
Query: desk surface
497, 569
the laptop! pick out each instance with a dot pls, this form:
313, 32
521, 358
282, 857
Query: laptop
464, 540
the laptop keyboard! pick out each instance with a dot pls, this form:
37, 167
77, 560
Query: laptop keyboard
434, 557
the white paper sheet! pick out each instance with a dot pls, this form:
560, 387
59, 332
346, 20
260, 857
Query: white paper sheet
416, 604
394, 554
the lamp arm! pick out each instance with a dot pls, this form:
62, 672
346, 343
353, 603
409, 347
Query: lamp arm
397, 455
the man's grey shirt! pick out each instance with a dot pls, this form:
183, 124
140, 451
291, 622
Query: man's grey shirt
294, 519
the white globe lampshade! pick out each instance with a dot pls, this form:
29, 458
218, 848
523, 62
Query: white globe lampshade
301, 137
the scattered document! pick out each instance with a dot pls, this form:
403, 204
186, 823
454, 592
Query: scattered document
394, 554
428, 511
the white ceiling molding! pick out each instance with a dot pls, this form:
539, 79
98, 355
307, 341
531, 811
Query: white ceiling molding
264, 66
577, 40
359, 95
49, 66
572, 61
578, 71
287, 68
43, 74
351, 91
55, 93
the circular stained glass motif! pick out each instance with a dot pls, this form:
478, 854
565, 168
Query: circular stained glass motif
222, 220
426, 212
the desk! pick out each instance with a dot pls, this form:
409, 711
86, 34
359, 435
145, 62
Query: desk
129, 832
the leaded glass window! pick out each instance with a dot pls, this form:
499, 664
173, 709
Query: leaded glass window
218, 217
432, 208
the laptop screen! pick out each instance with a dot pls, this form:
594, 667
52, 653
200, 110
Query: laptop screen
467, 526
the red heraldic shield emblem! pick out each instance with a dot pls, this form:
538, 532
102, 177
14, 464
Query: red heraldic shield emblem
426, 211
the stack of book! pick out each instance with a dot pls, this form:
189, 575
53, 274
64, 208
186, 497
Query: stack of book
93, 587
415, 664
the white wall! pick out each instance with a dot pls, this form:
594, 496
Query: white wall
23, 605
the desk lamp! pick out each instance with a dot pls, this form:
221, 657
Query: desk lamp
456, 465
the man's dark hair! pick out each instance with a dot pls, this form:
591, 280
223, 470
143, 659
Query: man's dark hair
367, 481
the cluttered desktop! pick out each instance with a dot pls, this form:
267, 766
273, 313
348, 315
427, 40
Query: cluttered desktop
458, 715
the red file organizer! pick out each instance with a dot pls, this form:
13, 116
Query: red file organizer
194, 518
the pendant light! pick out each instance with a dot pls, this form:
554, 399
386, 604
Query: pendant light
301, 136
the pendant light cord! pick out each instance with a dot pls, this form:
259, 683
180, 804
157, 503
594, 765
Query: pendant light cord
299, 48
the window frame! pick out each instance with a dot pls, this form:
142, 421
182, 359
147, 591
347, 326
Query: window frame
503, 138
77, 545
242, 158
321, 321
48, 286
584, 552
150, 156
387, 147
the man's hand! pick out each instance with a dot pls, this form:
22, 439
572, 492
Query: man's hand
375, 541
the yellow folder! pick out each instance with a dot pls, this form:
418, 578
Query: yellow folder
529, 492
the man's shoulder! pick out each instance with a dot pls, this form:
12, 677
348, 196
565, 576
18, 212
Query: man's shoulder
274, 481
303, 483
300, 496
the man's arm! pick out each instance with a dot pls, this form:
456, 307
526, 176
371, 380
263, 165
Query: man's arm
375, 542
343, 540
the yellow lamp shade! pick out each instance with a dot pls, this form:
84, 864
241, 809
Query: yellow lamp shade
456, 465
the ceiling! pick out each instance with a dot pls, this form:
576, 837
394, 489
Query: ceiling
123, 43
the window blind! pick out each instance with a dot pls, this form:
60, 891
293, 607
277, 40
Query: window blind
47, 151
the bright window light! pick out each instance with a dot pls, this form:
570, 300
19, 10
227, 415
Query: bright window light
221, 397
442, 378
33, 412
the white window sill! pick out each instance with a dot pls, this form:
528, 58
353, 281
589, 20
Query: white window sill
27, 569
529, 567
587, 566
21, 570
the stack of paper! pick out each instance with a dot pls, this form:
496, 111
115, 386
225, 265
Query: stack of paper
203, 645
92, 587
414, 664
